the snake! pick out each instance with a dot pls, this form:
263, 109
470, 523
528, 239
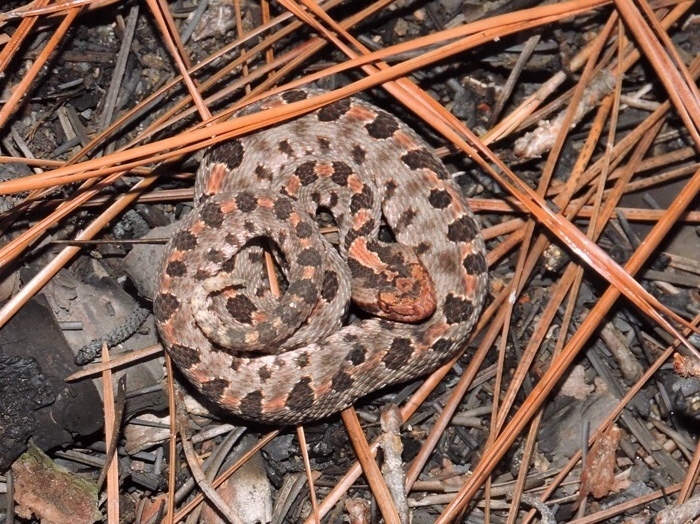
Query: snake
408, 254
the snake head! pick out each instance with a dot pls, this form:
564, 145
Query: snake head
411, 300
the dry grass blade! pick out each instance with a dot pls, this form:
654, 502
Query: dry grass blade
161, 14
369, 466
310, 475
146, 154
605, 515
41, 8
660, 51
13, 102
117, 362
549, 380
185, 510
9, 50
551, 377
172, 442
692, 478
209, 492
111, 427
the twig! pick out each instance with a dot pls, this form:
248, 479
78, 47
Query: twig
203, 483
119, 69
111, 465
392, 467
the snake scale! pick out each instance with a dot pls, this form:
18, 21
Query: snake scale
298, 358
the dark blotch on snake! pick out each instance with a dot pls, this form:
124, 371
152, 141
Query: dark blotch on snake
439, 198
422, 159
229, 265
185, 356
283, 208
212, 215
358, 154
235, 363
285, 147
176, 268
251, 404
214, 388
286, 316
304, 230
201, 274
241, 308
165, 305
229, 153
357, 354
341, 172
264, 373
305, 289
475, 264
267, 333
302, 360
457, 309
184, 241
383, 126
301, 396
214, 255
306, 173
332, 199
256, 257
422, 247
406, 218
447, 263
360, 271
341, 381
383, 251
362, 200
390, 189
246, 201
331, 283
442, 345
310, 257
366, 228
334, 111
399, 353
462, 230
386, 325
262, 172
294, 95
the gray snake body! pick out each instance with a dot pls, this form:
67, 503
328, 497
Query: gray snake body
291, 360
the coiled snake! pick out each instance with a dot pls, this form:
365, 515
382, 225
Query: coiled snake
291, 359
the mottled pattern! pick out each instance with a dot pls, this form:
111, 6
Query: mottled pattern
296, 358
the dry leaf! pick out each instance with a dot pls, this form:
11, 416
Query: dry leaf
598, 475
52, 493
